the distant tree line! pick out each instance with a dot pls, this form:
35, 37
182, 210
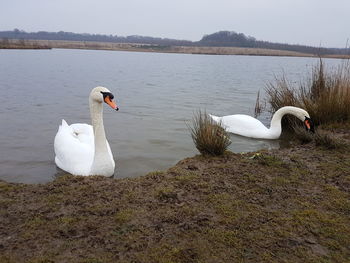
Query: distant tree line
218, 39
61, 35
233, 39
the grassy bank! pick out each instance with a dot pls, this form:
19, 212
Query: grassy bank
288, 205
17, 43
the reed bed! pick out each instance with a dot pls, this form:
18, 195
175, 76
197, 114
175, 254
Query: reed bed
325, 95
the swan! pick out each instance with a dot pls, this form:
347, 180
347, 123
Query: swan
82, 149
248, 126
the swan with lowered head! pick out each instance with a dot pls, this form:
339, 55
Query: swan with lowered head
248, 126
82, 149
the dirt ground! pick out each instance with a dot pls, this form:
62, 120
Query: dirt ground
288, 205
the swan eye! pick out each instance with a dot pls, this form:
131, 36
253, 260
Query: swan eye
107, 94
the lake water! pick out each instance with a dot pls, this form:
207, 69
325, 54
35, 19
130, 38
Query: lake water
157, 95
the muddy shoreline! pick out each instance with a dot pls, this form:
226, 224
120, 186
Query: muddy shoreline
288, 205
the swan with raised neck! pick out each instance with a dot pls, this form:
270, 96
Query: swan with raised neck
101, 164
83, 149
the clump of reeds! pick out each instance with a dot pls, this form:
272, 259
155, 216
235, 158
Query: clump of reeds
259, 107
327, 142
208, 136
326, 95
320, 139
279, 94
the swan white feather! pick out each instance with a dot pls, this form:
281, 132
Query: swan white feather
248, 126
75, 145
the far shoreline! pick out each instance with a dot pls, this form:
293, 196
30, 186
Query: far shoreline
137, 47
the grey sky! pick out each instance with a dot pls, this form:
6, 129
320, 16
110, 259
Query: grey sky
310, 22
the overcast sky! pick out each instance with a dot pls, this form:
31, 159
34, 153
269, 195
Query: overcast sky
323, 23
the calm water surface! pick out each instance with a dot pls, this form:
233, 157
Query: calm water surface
157, 95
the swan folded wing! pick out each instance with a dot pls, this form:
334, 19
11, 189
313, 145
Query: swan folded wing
74, 148
85, 134
244, 125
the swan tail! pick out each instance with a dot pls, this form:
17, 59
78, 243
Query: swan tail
64, 123
64, 127
215, 118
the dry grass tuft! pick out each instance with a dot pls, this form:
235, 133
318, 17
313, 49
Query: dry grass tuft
259, 106
320, 139
208, 136
326, 95
326, 141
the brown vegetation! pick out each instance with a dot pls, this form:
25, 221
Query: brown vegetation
326, 95
208, 136
22, 44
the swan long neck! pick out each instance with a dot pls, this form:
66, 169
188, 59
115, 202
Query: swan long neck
276, 126
101, 150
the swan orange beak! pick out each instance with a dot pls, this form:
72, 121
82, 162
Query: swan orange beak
111, 103
309, 125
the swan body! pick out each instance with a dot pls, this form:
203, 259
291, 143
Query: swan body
82, 149
248, 126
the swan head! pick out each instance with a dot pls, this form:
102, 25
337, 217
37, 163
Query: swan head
102, 94
309, 125
304, 116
